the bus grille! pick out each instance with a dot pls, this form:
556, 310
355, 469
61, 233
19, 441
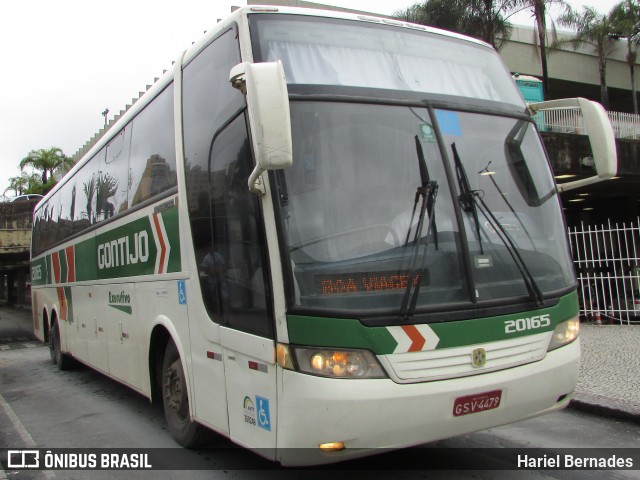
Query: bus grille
456, 362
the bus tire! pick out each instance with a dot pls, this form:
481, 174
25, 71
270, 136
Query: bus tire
62, 360
175, 400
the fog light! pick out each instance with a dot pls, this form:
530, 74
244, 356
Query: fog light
331, 446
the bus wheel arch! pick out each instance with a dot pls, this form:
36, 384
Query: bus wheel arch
46, 326
157, 345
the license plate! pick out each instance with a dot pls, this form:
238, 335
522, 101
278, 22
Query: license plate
479, 402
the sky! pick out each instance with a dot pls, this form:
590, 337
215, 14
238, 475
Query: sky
65, 61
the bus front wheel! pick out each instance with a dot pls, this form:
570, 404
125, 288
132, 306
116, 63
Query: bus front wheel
175, 400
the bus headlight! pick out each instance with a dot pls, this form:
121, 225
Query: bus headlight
343, 363
564, 333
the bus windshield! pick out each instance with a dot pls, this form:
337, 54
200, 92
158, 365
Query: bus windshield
350, 213
357, 236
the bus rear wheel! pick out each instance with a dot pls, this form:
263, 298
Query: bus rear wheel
175, 400
63, 361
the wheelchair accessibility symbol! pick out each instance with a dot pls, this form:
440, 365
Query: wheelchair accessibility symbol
263, 414
182, 292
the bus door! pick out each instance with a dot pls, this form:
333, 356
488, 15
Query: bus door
240, 298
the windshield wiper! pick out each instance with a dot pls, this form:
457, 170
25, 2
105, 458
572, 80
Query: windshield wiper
472, 197
427, 191
425, 180
467, 196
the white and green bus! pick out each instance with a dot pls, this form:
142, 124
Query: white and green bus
320, 234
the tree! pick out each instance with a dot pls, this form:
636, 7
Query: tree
483, 19
625, 19
540, 11
594, 29
25, 183
46, 161
18, 184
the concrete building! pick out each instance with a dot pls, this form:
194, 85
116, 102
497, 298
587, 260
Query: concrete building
573, 72
16, 220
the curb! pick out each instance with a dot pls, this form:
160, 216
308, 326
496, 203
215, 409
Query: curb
606, 407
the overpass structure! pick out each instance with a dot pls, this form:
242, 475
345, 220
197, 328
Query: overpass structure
573, 72
16, 220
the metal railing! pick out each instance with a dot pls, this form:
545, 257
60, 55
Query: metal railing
608, 269
569, 120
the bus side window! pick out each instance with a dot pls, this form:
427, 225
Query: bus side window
84, 212
113, 178
152, 163
240, 280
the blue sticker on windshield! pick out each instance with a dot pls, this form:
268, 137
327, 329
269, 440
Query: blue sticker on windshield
448, 122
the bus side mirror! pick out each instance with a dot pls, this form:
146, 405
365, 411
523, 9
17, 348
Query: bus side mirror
601, 137
265, 86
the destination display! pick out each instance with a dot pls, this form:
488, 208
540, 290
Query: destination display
338, 283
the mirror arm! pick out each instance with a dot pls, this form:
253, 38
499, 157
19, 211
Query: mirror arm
256, 185
566, 186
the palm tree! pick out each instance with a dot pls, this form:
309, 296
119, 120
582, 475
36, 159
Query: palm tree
625, 18
46, 161
483, 19
25, 183
540, 12
594, 29
18, 184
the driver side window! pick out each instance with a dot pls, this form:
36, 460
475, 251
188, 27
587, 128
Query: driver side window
235, 266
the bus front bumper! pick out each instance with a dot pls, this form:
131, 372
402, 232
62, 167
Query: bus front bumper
368, 415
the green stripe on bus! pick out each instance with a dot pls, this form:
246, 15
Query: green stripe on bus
338, 333
85, 260
172, 226
64, 271
491, 329
351, 333
126, 251
129, 250
40, 272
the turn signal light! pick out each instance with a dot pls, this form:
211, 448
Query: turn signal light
331, 446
